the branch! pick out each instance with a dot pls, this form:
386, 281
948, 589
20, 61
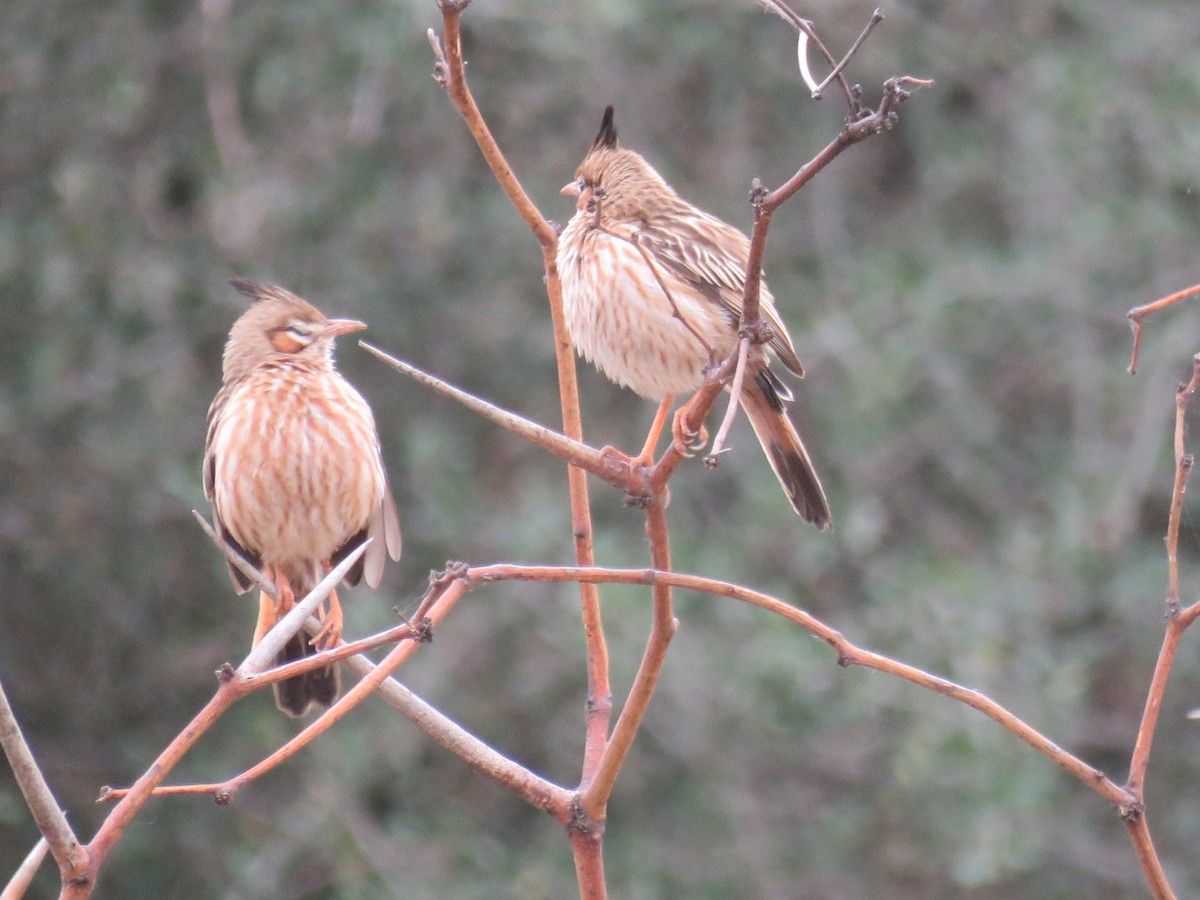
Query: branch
848, 653
71, 856
536, 791
595, 795
575, 452
1139, 313
272, 642
19, 884
450, 73
234, 558
858, 128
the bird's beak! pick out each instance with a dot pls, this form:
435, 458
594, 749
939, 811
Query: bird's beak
334, 327
571, 189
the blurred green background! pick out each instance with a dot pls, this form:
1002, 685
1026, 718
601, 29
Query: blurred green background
956, 288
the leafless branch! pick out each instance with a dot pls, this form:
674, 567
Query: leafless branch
70, 855
26, 871
1138, 315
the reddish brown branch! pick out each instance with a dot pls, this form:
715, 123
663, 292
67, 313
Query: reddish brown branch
450, 72
847, 652
1178, 621
594, 799
860, 126
1143, 846
1139, 313
71, 856
568, 449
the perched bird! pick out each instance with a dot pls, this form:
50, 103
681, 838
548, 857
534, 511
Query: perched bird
652, 293
292, 467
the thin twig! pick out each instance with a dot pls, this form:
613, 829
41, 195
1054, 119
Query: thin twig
273, 641
236, 559
1183, 469
575, 452
735, 394
227, 790
1139, 313
805, 27
451, 736
1177, 623
1143, 846
876, 18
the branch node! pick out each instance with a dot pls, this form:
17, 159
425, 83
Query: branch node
711, 461
758, 192
226, 673
637, 500
453, 571
441, 70
580, 822
423, 631
223, 797
1131, 812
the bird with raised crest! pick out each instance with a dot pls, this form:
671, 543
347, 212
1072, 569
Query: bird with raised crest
293, 469
652, 295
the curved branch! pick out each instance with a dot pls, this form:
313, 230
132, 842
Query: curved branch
848, 653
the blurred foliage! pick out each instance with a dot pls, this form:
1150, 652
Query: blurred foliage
957, 291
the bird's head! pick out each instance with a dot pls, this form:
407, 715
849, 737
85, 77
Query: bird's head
617, 183
279, 325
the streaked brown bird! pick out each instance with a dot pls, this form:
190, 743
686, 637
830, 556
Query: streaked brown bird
293, 469
652, 291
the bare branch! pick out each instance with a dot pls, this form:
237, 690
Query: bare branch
735, 393
595, 794
848, 653
575, 452
451, 73
19, 884
272, 642
876, 18
1139, 313
236, 559
71, 857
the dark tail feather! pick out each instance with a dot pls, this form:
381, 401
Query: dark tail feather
785, 451
295, 695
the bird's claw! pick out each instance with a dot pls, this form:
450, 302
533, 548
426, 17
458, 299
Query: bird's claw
686, 441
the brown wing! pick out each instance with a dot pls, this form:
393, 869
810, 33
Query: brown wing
241, 583
385, 533
711, 256
384, 530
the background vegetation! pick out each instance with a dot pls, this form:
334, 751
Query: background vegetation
956, 289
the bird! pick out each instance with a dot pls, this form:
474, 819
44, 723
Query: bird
652, 295
294, 472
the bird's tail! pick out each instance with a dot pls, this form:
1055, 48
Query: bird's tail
763, 401
294, 695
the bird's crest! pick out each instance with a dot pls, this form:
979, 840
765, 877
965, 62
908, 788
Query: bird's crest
258, 291
252, 289
608, 131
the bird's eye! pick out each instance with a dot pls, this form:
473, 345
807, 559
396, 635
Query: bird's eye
293, 337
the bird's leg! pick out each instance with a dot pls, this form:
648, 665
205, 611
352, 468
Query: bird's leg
646, 457
331, 623
686, 440
270, 609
